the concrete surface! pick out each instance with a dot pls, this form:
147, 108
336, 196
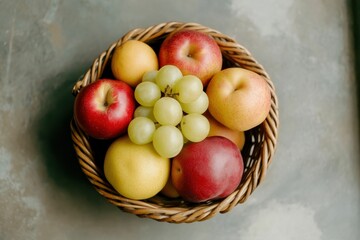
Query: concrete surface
312, 188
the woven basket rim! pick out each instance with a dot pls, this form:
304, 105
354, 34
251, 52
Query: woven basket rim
156, 208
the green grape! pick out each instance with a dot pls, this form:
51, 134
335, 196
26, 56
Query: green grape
185, 140
142, 111
195, 127
168, 141
149, 76
167, 77
200, 105
168, 111
147, 93
141, 130
188, 89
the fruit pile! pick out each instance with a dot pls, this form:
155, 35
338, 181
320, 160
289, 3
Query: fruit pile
162, 99
175, 116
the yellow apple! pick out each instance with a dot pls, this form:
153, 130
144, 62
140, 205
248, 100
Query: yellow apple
238, 98
218, 129
131, 60
135, 171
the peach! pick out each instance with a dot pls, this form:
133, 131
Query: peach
238, 98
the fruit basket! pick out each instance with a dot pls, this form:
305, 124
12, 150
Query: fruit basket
257, 153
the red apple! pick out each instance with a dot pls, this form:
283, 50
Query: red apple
104, 108
207, 170
193, 52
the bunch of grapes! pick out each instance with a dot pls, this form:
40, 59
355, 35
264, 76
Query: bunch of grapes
170, 111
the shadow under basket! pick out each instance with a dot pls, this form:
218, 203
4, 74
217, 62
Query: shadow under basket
257, 153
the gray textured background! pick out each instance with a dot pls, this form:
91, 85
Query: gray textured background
312, 188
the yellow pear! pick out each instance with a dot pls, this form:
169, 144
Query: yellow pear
135, 171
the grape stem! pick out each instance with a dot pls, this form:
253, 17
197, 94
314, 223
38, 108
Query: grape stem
168, 92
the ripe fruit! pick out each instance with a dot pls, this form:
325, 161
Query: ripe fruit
149, 76
167, 76
142, 111
193, 52
141, 130
217, 129
163, 97
207, 170
200, 105
168, 141
104, 108
238, 98
195, 127
131, 60
167, 111
135, 171
188, 89
147, 93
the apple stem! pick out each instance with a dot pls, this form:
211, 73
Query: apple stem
109, 99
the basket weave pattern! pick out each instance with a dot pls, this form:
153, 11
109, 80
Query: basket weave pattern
257, 153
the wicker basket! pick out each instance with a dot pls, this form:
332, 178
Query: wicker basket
257, 153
